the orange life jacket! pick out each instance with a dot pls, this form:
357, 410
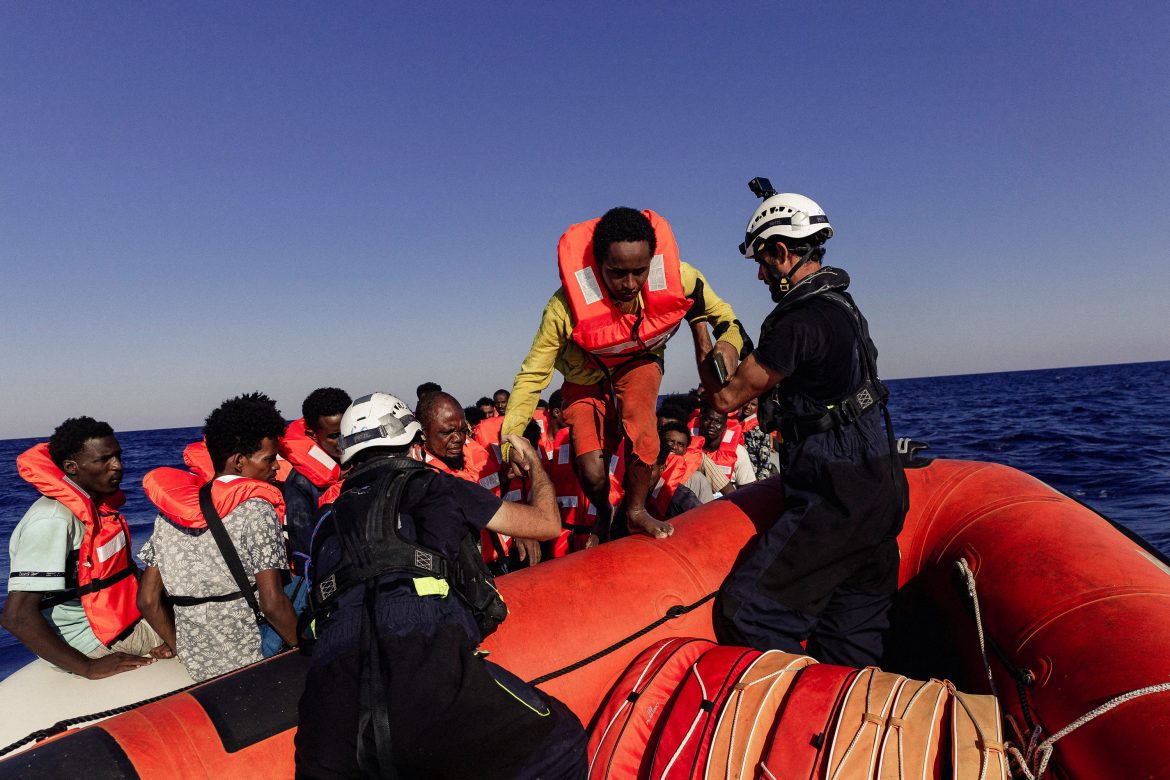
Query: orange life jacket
176, 494
749, 423
487, 432
677, 470
599, 327
306, 456
724, 456
198, 459
106, 584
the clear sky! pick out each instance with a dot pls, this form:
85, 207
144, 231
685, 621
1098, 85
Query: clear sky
202, 199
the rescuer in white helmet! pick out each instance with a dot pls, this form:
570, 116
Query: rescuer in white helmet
825, 571
401, 599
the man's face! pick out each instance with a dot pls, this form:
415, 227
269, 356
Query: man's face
676, 442
712, 424
97, 466
501, 403
489, 410
261, 464
625, 269
327, 434
750, 408
446, 432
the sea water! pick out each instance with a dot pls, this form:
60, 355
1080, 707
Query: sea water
1097, 434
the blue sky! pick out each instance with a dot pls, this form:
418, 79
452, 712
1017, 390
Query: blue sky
203, 199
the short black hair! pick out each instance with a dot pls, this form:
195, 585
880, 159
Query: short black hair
240, 425
473, 415
532, 433
427, 387
324, 402
706, 406
502, 390
541, 403
677, 427
427, 404
554, 400
69, 437
622, 224
485, 401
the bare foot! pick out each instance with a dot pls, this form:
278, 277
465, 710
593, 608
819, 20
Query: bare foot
642, 522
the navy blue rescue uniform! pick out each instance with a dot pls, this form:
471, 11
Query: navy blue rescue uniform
827, 568
300, 515
451, 714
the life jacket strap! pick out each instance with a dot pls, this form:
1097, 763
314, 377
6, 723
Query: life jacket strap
193, 601
72, 594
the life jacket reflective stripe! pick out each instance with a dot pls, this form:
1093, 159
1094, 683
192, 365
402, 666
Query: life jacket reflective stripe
306, 456
599, 327
677, 470
105, 587
198, 459
540, 417
176, 494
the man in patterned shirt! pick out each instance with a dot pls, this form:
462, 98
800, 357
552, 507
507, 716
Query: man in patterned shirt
212, 634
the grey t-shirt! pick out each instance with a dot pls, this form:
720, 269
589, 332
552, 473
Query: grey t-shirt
216, 637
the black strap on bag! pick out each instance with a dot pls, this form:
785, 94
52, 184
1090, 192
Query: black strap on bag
228, 551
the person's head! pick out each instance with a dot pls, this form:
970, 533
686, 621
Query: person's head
712, 424
500, 401
444, 427
241, 437
672, 412
322, 410
786, 236
89, 454
473, 415
486, 406
374, 425
556, 413
542, 404
748, 409
675, 437
427, 387
623, 245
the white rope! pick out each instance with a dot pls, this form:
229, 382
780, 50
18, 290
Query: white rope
969, 579
1039, 753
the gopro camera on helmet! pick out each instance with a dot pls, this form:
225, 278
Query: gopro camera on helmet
761, 187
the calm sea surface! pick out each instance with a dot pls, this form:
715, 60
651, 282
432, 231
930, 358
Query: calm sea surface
1098, 434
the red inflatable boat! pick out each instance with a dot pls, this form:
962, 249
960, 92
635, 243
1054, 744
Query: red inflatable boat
1071, 614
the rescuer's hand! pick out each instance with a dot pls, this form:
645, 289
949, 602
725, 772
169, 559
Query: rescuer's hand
521, 454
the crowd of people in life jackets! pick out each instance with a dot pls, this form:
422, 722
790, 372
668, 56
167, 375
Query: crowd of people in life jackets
238, 529
289, 481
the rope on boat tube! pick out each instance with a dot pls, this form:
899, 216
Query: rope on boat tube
969, 579
678, 610
64, 725
1033, 763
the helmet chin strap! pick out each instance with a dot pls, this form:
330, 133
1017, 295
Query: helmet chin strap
780, 283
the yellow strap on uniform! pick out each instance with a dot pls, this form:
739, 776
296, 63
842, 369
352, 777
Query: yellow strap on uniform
431, 586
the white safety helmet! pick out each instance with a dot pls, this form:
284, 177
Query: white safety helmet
784, 215
376, 420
